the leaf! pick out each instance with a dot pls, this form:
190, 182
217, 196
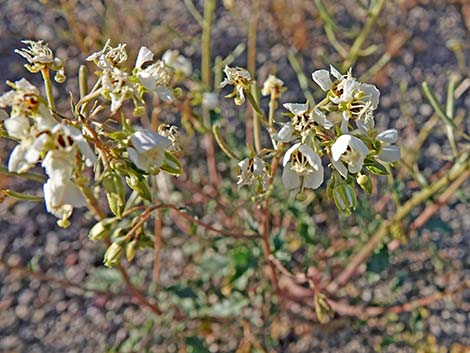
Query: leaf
375, 167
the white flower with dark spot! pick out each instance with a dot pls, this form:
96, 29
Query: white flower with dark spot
253, 170
302, 168
348, 154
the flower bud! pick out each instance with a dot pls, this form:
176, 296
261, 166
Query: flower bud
364, 182
60, 77
131, 249
101, 229
113, 255
344, 197
115, 192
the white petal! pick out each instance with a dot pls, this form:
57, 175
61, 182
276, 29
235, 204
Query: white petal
137, 159
59, 164
356, 166
285, 134
340, 146
26, 86
289, 153
344, 123
82, 144
321, 119
164, 93
340, 167
335, 73
146, 140
17, 126
389, 136
390, 154
296, 108
258, 166
34, 152
372, 93
349, 87
3, 114
322, 79
359, 146
17, 162
72, 195
290, 178
314, 180
312, 158
147, 80
145, 55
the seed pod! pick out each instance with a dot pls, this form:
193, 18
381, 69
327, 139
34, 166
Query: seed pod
115, 192
113, 255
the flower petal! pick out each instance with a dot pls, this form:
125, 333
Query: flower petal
390, 154
285, 134
341, 168
145, 55
320, 118
340, 146
289, 153
313, 159
335, 73
290, 178
313, 180
388, 136
146, 140
322, 79
296, 108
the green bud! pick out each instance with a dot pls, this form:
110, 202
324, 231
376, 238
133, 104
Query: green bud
178, 92
344, 197
364, 182
139, 185
115, 192
323, 310
113, 255
131, 249
101, 229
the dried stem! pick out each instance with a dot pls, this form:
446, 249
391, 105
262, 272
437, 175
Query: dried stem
461, 166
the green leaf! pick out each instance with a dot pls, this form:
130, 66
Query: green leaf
375, 167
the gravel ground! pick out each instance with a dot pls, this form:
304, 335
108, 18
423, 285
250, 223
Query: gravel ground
36, 316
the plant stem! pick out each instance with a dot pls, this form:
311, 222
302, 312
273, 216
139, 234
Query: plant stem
354, 52
461, 166
48, 87
252, 119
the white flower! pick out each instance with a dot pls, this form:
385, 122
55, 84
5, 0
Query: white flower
117, 87
272, 87
61, 196
348, 151
302, 168
155, 76
148, 151
253, 170
240, 78
39, 56
79, 141
389, 153
178, 62
109, 57
322, 78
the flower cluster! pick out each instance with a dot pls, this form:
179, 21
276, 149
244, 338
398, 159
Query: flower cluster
61, 147
339, 132
66, 145
118, 85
